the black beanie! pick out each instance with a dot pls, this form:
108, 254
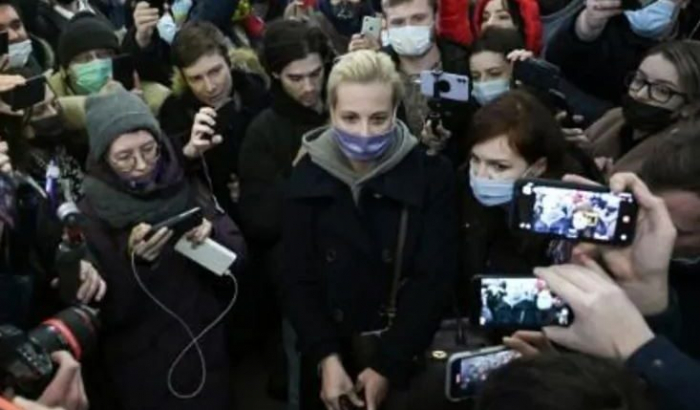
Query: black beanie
286, 41
85, 32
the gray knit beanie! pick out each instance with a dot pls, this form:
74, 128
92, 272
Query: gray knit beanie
111, 115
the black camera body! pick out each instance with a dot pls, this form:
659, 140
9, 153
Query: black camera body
25, 358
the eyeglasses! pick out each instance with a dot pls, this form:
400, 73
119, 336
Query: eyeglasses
126, 161
660, 93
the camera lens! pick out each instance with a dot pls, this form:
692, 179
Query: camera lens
73, 329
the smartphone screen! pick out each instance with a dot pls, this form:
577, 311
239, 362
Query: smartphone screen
123, 71
467, 372
574, 212
519, 303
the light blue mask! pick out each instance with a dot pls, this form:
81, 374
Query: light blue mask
89, 78
655, 20
167, 28
492, 192
487, 91
181, 9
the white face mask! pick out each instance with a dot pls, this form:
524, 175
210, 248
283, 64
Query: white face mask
19, 53
167, 28
411, 41
487, 91
654, 21
180, 10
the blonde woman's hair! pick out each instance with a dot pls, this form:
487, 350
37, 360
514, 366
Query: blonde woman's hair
364, 67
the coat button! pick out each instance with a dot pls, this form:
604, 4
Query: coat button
387, 256
331, 255
338, 316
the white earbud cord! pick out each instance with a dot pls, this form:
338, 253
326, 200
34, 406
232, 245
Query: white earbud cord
195, 340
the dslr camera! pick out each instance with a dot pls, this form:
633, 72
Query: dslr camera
25, 358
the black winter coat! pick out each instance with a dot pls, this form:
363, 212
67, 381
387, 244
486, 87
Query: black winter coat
176, 119
265, 164
338, 258
139, 341
599, 67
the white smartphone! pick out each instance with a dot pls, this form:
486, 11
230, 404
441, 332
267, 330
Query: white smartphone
454, 87
372, 27
467, 371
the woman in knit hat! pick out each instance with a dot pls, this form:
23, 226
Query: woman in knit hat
134, 181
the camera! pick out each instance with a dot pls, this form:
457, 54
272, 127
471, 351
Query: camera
25, 358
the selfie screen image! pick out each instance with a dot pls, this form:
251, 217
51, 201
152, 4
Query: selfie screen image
574, 214
474, 371
521, 303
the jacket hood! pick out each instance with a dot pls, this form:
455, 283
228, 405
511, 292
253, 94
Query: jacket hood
242, 59
529, 11
324, 152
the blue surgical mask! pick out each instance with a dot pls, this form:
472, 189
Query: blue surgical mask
654, 21
487, 91
492, 192
20, 53
363, 149
167, 28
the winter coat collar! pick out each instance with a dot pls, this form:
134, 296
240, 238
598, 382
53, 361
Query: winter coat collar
285, 106
402, 184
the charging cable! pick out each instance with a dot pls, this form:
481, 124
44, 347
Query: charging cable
194, 339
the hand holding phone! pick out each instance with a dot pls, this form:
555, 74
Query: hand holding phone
204, 134
179, 224
372, 27
32, 92
537, 73
574, 212
148, 249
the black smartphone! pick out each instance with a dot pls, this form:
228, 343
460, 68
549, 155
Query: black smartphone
68, 264
179, 224
537, 73
517, 303
123, 71
157, 4
31, 93
223, 117
4, 43
466, 372
580, 213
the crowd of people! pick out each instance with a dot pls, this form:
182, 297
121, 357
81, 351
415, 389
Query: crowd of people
358, 202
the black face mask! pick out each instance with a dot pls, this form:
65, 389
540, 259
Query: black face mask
644, 117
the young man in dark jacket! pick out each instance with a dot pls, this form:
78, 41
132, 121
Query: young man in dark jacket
25, 51
211, 107
415, 48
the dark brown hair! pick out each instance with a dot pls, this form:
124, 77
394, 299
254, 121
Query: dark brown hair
675, 164
197, 39
685, 56
393, 3
531, 129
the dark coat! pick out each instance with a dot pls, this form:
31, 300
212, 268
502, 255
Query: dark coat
338, 258
139, 341
599, 67
176, 119
269, 149
686, 283
49, 24
456, 115
153, 63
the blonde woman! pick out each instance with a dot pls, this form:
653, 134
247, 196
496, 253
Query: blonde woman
347, 197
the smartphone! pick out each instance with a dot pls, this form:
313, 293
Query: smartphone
31, 93
517, 303
454, 87
4, 43
537, 74
123, 71
223, 117
179, 224
580, 213
635, 4
157, 4
467, 371
372, 27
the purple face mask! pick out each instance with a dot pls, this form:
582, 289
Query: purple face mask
363, 149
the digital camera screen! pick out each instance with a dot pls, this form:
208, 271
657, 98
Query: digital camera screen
470, 373
521, 303
576, 214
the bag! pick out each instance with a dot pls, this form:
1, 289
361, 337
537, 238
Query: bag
427, 386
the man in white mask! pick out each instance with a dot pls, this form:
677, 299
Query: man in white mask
24, 50
412, 39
